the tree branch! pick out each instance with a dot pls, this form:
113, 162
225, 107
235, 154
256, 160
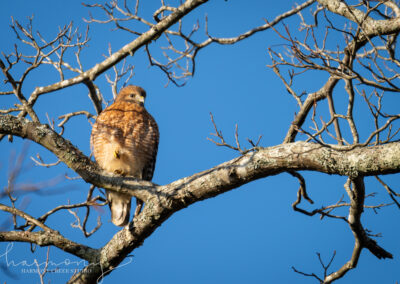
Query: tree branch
262, 162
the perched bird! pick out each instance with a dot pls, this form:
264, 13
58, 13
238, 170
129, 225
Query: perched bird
125, 141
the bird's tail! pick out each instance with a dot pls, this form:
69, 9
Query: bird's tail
120, 206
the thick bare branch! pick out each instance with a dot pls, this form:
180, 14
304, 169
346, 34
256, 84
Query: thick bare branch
43, 238
292, 156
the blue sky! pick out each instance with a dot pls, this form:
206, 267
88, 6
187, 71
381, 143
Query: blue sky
248, 235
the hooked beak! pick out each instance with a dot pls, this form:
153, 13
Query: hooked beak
140, 99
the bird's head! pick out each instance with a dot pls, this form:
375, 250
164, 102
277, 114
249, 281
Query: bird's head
134, 94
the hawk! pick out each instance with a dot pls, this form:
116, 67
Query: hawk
125, 141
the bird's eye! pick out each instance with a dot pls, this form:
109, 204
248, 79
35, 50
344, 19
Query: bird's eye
132, 95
